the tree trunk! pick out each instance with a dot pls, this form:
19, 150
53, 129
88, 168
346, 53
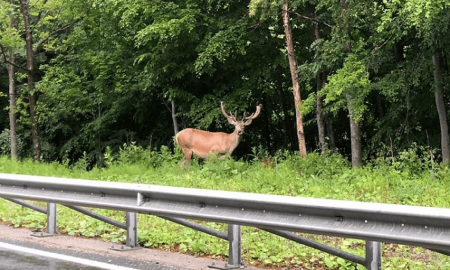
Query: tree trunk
379, 105
12, 104
355, 127
439, 97
288, 138
266, 124
12, 96
295, 83
30, 77
174, 119
355, 133
319, 116
284, 122
99, 140
330, 132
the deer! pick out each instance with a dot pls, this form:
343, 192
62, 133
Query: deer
202, 143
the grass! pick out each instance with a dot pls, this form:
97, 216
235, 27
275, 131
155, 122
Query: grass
412, 181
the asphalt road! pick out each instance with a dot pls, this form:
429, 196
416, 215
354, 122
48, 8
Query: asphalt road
90, 249
17, 255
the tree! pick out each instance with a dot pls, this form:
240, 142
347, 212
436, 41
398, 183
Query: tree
294, 76
439, 97
30, 80
265, 9
8, 44
319, 100
427, 21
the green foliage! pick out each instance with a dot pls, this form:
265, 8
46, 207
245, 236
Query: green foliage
352, 79
411, 178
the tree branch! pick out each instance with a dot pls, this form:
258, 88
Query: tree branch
3, 53
65, 27
309, 18
6, 60
380, 46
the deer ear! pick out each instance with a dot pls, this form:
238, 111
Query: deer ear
248, 122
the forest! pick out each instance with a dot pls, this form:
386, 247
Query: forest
365, 79
354, 102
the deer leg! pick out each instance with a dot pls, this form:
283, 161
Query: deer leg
187, 154
187, 158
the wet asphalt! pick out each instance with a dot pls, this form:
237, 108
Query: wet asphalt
17, 260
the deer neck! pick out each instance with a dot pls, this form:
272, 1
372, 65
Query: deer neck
236, 138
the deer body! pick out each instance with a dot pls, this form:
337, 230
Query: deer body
201, 143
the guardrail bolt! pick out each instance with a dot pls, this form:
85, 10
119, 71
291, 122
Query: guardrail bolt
103, 194
426, 227
202, 205
24, 186
339, 218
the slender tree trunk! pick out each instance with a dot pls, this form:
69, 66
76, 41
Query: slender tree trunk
330, 132
12, 96
30, 77
295, 83
379, 104
99, 140
174, 118
319, 116
284, 122
355, 133
266, 124
12, 104
288, 133
355, 127
439, 97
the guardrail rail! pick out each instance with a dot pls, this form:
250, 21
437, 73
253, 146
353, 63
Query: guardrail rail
281, 215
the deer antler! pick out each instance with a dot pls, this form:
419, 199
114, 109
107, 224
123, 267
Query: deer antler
231, 118
253, 115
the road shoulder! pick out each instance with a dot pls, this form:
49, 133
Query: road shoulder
98, 249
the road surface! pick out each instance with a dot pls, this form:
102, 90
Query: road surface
13, 256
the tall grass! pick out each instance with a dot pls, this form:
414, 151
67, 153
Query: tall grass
409, 179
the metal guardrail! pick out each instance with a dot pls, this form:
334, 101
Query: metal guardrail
411, 225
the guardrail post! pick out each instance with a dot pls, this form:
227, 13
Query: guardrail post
234, 238
51, 218
51, 222
132, 240
373, 255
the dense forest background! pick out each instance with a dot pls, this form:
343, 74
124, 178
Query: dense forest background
77, 77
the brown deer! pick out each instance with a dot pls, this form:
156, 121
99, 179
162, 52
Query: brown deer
201, 143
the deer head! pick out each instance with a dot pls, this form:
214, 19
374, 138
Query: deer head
245, 121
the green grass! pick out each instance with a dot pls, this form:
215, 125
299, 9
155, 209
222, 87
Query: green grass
409, 181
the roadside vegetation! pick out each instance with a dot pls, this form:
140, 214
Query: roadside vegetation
411, 178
